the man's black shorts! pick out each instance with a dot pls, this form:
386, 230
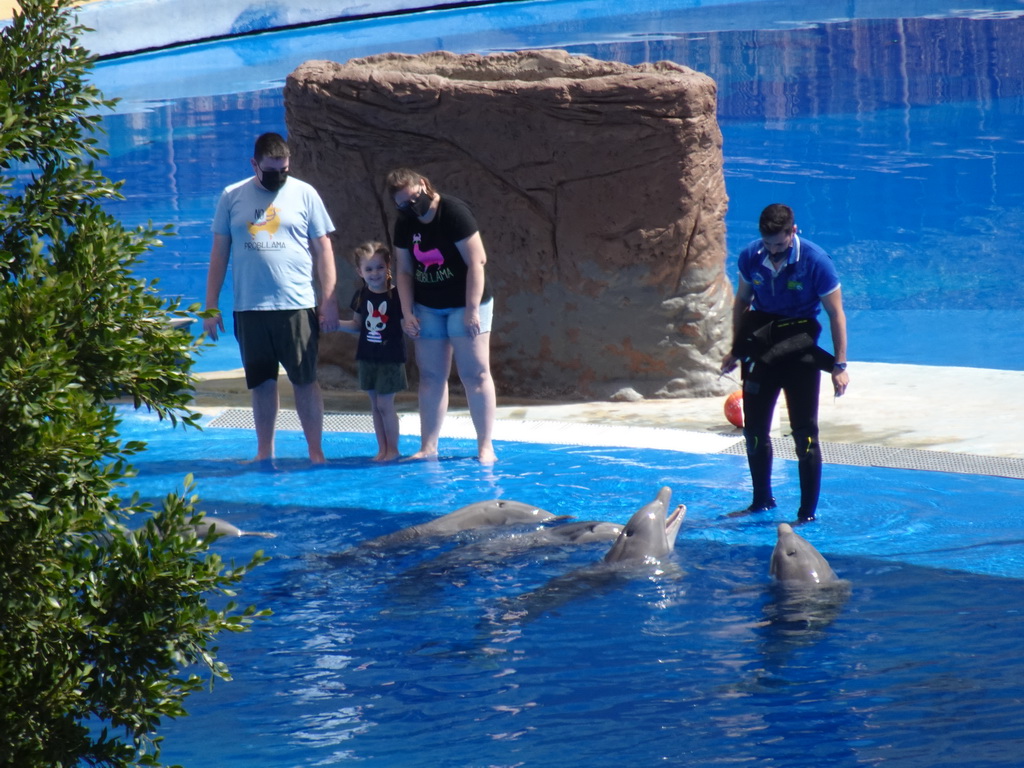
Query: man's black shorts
286, 337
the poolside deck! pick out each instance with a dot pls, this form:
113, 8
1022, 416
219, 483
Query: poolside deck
918, 417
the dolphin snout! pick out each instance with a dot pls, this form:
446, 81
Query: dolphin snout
673, 523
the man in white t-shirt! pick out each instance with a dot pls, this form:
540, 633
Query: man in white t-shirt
274, 230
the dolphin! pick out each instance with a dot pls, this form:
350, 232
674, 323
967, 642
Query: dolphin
207, 527
579, 532
559, 535
219, 527
643, 544
806, 596
480, 514
649, 535
453, 565
796, 561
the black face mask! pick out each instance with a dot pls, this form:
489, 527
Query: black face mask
273, 180
416, 206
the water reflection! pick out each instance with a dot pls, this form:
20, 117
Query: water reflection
896, 140
858, 65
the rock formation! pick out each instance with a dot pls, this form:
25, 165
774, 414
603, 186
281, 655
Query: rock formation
599, 191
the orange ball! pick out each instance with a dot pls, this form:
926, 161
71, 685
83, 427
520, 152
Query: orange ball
734, 408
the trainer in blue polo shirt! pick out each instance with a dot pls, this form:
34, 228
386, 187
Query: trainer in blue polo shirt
784, 282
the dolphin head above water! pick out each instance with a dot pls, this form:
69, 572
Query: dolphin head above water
796, 561
649, 535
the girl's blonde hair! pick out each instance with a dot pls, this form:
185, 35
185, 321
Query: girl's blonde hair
366, 251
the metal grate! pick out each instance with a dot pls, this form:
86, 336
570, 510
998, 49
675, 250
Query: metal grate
856, 454
241, 418
572, 433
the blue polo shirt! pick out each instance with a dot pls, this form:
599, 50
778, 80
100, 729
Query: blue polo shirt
796, 289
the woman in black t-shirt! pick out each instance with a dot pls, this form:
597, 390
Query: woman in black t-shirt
448, 306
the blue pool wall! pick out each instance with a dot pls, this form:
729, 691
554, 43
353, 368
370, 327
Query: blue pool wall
908, 176
124, 27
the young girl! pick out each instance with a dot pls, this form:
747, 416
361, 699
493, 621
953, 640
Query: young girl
381, 351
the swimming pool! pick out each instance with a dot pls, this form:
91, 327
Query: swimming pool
406, 659
905, 168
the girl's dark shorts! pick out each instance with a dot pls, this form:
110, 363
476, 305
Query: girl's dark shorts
382, 378
286, 337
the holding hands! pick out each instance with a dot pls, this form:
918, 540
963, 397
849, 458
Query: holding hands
329, 316
411, 326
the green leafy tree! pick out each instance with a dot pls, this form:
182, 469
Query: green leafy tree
104, 631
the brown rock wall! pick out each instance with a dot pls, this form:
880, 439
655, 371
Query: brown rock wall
599, 191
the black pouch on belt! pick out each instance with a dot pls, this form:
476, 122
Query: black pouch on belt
768, 339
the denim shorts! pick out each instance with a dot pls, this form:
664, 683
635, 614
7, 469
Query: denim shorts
450, 323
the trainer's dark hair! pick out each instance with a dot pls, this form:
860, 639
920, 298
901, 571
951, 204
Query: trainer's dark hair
776, 218
271, 145
400, 178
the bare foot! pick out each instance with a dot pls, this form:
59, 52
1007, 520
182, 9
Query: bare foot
257, 460
422, 456
387, 456
487, 456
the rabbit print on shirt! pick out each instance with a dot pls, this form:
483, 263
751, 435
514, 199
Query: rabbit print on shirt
376, 321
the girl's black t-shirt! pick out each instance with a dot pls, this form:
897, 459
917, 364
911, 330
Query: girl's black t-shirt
380, 337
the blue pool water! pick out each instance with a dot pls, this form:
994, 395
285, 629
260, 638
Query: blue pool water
895, 130
409, 659
897, 140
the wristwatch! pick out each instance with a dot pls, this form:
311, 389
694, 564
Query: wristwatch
839, 367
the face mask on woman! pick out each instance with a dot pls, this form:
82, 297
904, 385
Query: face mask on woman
417, 206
